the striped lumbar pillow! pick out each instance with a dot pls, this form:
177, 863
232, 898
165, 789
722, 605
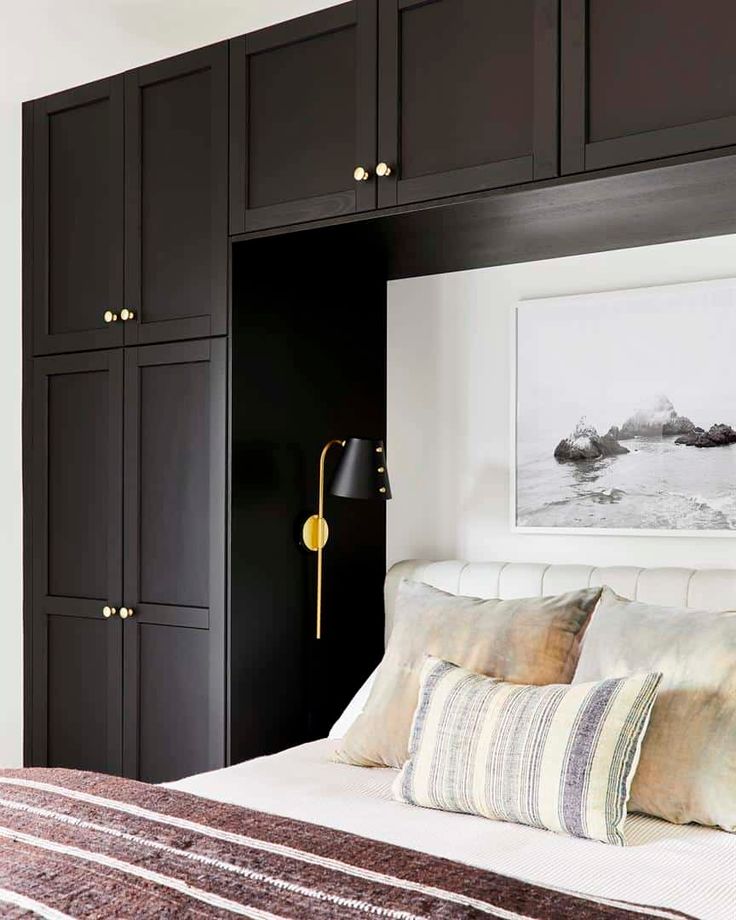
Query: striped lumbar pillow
558, 757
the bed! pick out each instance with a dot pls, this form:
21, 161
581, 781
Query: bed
296, 835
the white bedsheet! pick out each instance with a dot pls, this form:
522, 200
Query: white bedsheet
685, 868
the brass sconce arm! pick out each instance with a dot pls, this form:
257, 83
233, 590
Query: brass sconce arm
315, 530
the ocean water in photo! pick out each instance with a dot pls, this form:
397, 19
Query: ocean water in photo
658, 485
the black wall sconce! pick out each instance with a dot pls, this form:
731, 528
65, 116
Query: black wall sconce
361, 473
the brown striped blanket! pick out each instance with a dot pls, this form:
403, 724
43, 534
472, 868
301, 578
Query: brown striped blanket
76, 844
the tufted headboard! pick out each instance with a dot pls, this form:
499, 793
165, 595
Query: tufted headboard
709, 589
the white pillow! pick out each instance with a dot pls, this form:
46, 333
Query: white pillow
353, 709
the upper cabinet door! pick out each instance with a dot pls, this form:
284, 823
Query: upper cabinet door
641, 81
467, 96
303, 118
77, 259
176, 198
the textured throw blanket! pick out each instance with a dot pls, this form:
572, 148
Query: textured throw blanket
78, 845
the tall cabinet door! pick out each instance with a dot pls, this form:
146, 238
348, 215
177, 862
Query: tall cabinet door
176, 198
642, 81
78, 218
174, 582
77, 557
467, 96
303, 118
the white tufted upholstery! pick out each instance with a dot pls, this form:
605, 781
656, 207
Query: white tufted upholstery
699, 589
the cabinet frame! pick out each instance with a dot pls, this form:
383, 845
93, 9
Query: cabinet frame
542, 163
357, 196
577, 153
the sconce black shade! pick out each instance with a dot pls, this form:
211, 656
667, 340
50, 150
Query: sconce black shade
362, 471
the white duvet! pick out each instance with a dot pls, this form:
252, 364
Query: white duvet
685, 868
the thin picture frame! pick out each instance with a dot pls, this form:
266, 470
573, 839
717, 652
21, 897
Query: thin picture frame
696, 288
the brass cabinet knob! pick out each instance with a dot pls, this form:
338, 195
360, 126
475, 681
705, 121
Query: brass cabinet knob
383, 170
126, 314
126, 612
110, 317
108, 612
360, 174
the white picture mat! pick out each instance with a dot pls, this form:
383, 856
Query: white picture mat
700, 316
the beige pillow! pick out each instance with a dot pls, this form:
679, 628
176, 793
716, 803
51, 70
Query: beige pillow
687, 770
525, 641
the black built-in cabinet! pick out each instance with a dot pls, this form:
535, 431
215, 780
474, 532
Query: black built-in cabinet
468, 96
178, 385
130, 207
127, 466
129, 503
449, 96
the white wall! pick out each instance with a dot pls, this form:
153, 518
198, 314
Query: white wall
449, 414
45, 46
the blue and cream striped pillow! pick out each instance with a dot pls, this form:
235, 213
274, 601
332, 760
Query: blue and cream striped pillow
559, 757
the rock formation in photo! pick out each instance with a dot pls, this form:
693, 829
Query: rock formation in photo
584, 443
717, 436
657, 419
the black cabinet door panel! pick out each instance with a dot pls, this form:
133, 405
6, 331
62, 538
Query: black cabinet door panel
84, 691
166, 680
173, 462
77, 560
467, 95
302, 117
78, 218
78, 477
642, 81
176, 197
175, 529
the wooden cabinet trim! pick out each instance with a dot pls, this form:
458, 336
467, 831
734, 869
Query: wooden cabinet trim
321, 207
238, 141
27, 427
330, 19
573, 69
388, 100
470, 179
546, 89
408, 4
172, 615
662, 143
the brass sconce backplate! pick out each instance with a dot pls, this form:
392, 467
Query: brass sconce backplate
315, 532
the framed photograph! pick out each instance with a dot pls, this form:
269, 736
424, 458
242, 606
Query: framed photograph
624, 412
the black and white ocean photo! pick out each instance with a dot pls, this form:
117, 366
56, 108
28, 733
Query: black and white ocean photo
625, 412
